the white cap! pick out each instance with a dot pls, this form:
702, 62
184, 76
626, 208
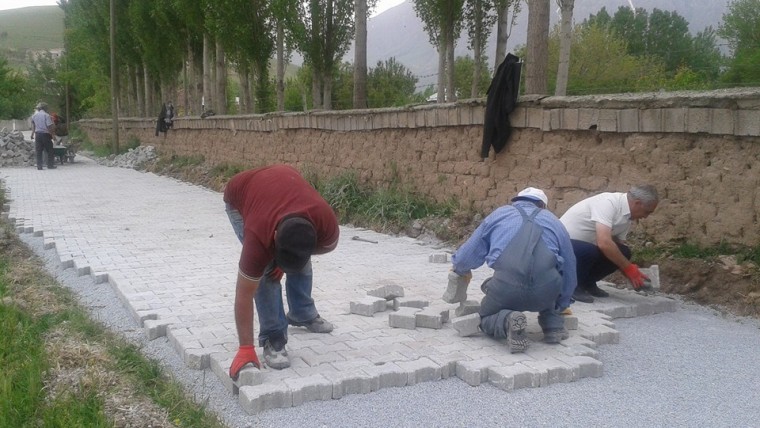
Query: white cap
533, 193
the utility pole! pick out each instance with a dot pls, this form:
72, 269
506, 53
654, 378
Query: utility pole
114, 85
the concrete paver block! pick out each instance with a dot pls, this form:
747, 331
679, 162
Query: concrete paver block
367, 306
571, 322
311, 388
350, 382
403, 318
421, 370
432, 317
439, 258
387, 292
556, 371
468, 325
653, 272
155, 328
475, 372
410, 302
601, 334
386, 375
456, 289
257, 398
466, 308
586, 366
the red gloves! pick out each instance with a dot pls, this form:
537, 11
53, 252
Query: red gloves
634, 275
276, 274
246, 354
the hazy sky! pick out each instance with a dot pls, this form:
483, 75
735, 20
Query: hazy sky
382, 5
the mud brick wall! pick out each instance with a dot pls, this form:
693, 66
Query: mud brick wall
701, 150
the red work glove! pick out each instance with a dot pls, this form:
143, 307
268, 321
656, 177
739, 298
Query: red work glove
634, 275
246, 354
276, 274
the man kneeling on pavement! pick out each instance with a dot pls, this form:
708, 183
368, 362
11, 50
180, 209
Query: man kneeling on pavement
598, 227
281, 221
534, 269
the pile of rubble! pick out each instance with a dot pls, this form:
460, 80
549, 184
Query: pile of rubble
134, 158
15, 150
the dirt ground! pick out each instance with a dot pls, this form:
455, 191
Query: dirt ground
717, 282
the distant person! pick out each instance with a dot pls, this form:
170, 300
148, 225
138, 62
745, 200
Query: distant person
165, 119
43, 129
281, 221
534, 269
598, 227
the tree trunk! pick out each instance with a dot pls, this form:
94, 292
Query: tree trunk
206, 99
502, 35
565, 40
360, 54
537, 50
477, 49
148, 91
316, 90
141, 110
441, 96
245, 87
221, 80
280, 82
451, 93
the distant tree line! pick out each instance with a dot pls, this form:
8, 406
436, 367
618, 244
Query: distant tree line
233, 56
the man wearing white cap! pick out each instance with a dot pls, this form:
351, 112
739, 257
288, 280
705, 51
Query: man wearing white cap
534, 269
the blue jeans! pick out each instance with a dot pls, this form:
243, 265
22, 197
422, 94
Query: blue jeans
273, 324
592, 265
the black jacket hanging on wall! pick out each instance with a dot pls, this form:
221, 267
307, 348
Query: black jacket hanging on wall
501, 101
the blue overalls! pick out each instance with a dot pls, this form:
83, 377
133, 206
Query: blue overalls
525, 278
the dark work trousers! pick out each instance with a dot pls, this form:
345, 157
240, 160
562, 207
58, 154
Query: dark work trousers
44, 142
592, 264
525, 279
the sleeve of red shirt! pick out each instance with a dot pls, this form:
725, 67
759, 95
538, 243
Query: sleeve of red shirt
254, 258
327, 227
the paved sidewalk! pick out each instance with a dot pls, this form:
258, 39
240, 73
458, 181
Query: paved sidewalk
168, 250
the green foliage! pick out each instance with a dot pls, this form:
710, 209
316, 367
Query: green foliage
391, 84
15, 102
24, 363
225, 171
665, 36
464, 69
390, 207
18, 38
687, 250
741, 28
599, 63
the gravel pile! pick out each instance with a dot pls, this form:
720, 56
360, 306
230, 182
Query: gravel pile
134, 158
15, 150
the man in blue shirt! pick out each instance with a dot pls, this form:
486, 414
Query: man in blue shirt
534, 269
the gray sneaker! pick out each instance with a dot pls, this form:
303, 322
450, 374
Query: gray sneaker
275, 359
556, 335
317, 325
517, 336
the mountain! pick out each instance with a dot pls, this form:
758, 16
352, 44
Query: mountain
35, 29
398, 32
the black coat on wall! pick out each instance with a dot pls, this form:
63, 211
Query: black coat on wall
501, 101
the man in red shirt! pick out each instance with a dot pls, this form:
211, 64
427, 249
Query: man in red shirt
281, 221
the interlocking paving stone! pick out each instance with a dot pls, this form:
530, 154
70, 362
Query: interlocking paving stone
168, 251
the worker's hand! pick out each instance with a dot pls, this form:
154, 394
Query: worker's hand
634, 275
246, 354
276, 274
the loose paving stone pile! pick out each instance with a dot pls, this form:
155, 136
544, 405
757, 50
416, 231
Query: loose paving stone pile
15, 150
133, 158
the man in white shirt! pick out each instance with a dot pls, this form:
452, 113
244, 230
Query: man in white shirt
598, 227
44, 129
